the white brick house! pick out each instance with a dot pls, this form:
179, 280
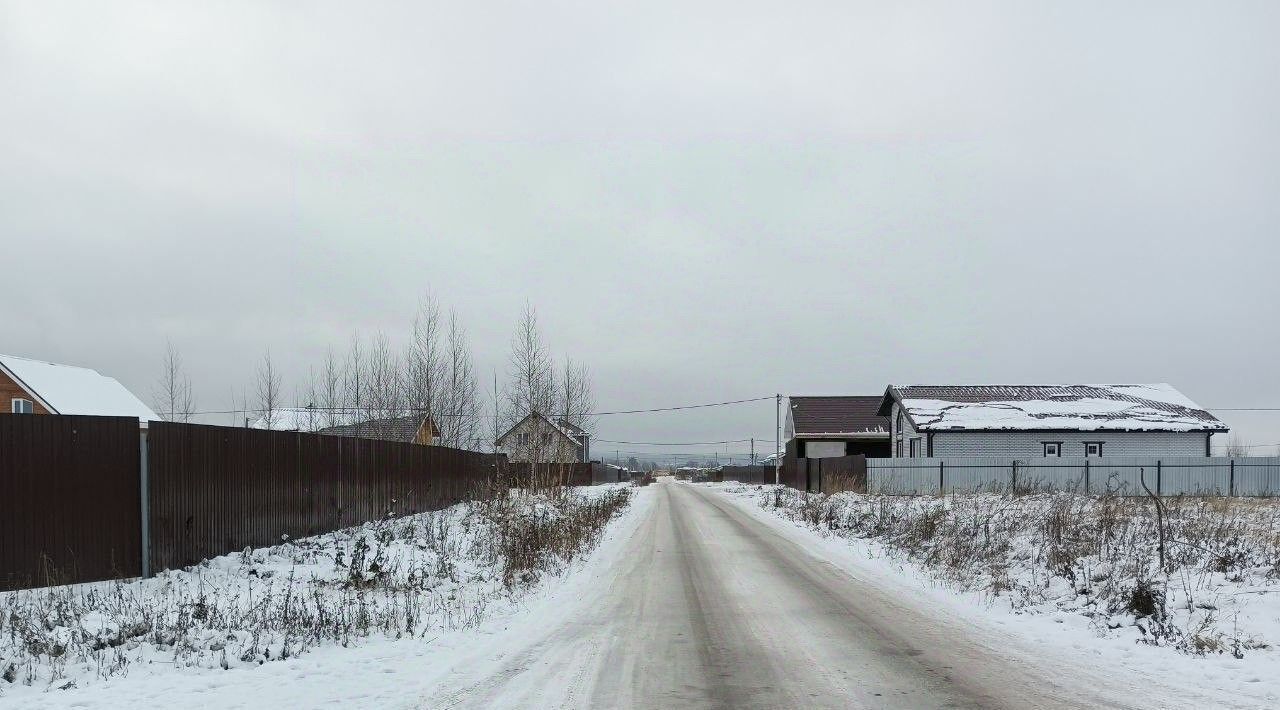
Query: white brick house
1031, 421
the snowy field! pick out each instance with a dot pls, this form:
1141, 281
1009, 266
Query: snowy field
1076, 577
359, 617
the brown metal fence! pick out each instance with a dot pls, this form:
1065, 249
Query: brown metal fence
215, 490
752, 475
69, 499
828, 475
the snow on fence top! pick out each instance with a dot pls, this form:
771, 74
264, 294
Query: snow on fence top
66, 389
1157, 407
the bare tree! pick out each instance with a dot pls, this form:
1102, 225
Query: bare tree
173, 393
1236, 447
385, 387
354, 389
577, 399
459, 414
427, 368
531, 390
330, 396
268, 392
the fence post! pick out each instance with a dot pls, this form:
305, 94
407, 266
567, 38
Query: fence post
1014, 488
1231, 480
942, 467
1086, 476
144, 504
1158, 468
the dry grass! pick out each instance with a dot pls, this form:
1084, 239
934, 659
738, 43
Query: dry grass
1101, 551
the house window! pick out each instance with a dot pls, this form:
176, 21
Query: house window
1052, 448
21, 406
523, 438
546, 439
1093, 448
915, 448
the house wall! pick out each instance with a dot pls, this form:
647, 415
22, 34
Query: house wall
836, 448
560, 449
1030, 444
905, 435
9, 390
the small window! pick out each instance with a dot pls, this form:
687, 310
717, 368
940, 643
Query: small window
21, 406
915, 448
523, 438
1093, 448
1052, 448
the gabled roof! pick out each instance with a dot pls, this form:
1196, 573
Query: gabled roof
564, 428
66, 389
1156, 407
404, 429
837, 416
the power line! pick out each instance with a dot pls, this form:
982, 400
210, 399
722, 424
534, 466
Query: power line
310, 409
677, 443
672, 409
1243, 409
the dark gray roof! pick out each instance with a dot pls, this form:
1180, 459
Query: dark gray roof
1134, 407
812, 416
402, 429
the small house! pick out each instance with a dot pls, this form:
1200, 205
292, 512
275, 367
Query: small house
1028, 421
828, 427
538, 439
37, 387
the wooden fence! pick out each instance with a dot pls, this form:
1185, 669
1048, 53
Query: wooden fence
70, 499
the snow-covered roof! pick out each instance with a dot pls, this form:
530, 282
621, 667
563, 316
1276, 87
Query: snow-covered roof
1157, 407
66, 389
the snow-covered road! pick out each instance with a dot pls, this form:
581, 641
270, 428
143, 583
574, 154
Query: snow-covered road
708, 604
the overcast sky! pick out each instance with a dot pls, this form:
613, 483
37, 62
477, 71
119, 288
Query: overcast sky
704, 201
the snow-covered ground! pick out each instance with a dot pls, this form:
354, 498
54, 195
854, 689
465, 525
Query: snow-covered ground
1222, 617
359, 618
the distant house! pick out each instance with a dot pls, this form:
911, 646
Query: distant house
37, 387
826, 427
413, 429
537, 439
1027, 421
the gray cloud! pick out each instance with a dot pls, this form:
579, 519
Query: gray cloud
704, 202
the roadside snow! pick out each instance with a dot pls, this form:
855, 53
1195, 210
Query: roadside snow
367, 618
1059, 621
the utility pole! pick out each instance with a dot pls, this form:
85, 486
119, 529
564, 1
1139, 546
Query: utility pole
777, 438
753, 451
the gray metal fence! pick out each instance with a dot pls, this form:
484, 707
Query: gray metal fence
1122, 475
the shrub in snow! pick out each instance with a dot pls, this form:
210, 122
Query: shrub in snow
1093, 555
399, 577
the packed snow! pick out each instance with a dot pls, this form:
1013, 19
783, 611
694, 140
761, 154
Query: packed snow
1209, 619
355, 616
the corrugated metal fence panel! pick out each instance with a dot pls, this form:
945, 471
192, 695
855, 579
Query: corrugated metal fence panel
975, 474
70, 499
748, 474
215, 490
1191, 475
902, 476
1257, 476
